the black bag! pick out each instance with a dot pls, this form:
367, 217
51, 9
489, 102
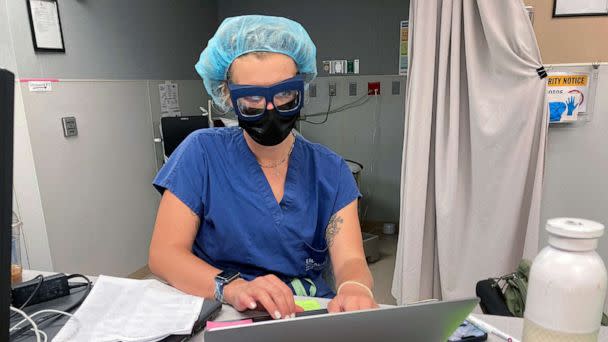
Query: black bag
492, 299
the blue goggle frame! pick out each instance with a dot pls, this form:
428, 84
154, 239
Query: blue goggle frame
238, 91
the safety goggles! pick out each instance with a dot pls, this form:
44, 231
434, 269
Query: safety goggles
250, 101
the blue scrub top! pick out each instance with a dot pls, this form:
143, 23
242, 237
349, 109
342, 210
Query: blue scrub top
242, 227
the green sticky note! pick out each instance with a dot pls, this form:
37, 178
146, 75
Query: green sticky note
309, 304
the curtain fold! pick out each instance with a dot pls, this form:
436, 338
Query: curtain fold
474, 148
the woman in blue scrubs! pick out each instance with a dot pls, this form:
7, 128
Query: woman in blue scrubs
252, 215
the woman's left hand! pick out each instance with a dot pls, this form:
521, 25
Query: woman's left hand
351, 298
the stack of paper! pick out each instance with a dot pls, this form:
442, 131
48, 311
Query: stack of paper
119, 309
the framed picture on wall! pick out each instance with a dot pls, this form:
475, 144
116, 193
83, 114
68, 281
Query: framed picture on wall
576, 8
45, 25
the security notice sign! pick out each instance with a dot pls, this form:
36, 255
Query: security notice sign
567, 94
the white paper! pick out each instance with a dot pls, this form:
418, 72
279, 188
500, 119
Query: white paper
119, 309
40, 86
581, 6
169, 99
46, 24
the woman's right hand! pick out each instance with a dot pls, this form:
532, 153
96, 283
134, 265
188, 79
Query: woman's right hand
269, 291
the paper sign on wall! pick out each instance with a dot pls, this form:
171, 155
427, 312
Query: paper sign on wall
403, 41
169, 99
567, 95
40, 86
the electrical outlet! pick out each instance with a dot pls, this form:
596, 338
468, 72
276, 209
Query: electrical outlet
352, 89
312, 90
332, 89
69, 126
396, 87
373, 88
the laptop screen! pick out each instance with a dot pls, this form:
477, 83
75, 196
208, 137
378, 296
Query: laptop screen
176, 128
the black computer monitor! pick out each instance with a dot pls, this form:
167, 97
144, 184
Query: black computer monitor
7, 98
176, 128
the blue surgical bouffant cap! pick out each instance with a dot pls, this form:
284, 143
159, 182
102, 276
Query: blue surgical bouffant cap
237, 36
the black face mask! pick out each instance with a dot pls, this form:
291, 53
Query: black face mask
271, 129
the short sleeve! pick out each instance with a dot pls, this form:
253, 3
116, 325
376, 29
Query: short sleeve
184, 174
347, 188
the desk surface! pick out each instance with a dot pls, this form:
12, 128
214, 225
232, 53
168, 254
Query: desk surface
509, 325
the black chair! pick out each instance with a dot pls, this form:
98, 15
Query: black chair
175, 129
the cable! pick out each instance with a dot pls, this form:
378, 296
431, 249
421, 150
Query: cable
40, 281
326, 114
52, 311
46, 337
75, 275
27, 318
337, 110
373, 160
344, 107
41, 312
56, 314
354, 104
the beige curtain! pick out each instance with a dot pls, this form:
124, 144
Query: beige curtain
476, 126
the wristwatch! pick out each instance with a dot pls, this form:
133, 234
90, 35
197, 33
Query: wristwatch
221, 280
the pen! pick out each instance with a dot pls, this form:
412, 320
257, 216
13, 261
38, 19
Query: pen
490, 329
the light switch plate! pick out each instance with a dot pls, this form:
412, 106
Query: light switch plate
352, 89
332, 89
69, 126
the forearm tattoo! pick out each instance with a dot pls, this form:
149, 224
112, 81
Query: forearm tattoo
333, 227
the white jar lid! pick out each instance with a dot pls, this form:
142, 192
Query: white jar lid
575, 228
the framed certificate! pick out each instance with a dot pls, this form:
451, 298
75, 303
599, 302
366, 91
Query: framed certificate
576, 8
45, 25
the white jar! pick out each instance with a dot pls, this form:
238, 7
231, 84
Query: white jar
567, 284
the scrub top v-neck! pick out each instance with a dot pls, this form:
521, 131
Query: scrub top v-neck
242, 226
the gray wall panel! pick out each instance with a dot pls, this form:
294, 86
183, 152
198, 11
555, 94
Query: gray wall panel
371, 134
117, 39
575, 183
341, 29
96, 190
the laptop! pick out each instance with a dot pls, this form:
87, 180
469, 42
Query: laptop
429, 322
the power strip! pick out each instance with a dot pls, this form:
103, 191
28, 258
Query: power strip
52, 287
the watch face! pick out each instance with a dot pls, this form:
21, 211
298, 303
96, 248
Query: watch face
227, 276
